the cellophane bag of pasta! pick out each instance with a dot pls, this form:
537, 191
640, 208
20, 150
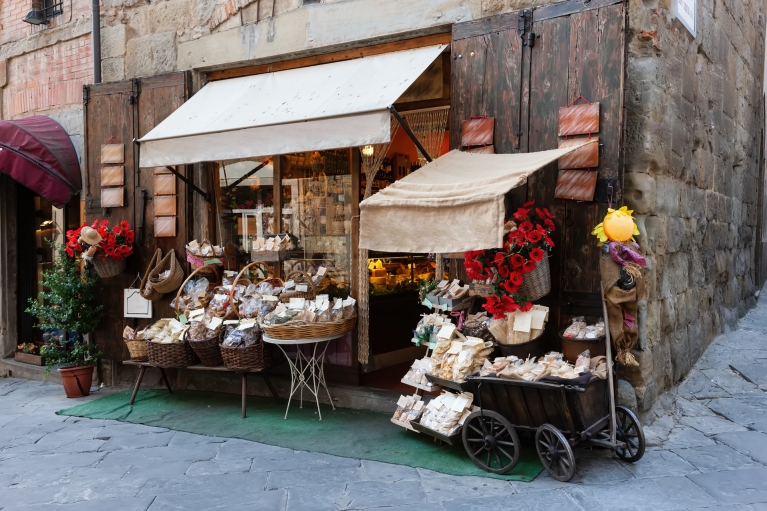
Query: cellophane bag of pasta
237, 337
198, 331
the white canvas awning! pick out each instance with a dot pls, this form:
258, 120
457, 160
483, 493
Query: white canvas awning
329, 106
453, 204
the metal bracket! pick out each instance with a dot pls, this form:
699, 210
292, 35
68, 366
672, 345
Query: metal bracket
136, 91
86, 94
246, 176
409, 132
524, 27
205, 195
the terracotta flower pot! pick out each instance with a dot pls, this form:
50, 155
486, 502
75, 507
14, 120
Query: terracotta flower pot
77, 380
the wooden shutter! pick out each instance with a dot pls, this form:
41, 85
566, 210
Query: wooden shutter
127, 110
578, 49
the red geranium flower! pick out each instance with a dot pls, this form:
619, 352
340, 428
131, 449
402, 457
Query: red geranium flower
517, 261
509, 286
548, 241
499, 259
525, 227
516, 278
534, 237
526, 306
537, 255
504, 271
528, 204
528, 266
521, 214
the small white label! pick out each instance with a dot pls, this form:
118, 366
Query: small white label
321, 270
214, 323
196, 313
302, 288
247, 323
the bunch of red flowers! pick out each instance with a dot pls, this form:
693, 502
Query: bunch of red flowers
116, 242
524, 247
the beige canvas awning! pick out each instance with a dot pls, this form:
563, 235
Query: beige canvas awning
329, 106
453, 204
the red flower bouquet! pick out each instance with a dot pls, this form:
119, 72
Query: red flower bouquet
116, 242
524, 247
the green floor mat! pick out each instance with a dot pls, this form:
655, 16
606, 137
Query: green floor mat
344, 432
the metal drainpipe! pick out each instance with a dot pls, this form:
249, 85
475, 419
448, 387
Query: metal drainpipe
96, 33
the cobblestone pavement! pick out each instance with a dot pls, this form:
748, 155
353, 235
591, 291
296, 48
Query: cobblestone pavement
708, 450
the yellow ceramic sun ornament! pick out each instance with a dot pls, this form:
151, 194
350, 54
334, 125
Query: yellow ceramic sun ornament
618, 225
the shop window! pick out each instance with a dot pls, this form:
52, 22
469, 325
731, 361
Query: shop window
246, 198
317, 213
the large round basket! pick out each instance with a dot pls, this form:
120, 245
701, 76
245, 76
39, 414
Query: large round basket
537, 283
146, 290
309, 294
171, 355
301, 330
174, 280
109, 267
250, 358
137, 349
208, 350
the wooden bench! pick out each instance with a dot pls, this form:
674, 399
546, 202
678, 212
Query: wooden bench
199, 367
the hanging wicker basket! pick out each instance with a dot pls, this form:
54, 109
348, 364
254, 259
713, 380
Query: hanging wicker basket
146, 289
109, 267
174, 279
537, 283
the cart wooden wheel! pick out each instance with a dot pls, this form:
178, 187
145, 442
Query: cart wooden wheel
491, 441
629, 432
555, 453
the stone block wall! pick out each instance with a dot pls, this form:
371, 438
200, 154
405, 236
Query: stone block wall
694, 120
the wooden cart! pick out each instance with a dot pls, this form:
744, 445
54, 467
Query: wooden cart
562, 417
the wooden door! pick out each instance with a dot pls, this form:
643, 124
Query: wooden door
125, 111
578, 49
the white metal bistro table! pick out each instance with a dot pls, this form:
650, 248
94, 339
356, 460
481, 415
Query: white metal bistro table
306, 371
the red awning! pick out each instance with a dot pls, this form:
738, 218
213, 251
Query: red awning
37, 152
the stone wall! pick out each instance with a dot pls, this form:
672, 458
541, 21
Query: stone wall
694, 119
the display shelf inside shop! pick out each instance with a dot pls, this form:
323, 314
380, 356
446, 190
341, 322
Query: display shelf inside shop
405, 425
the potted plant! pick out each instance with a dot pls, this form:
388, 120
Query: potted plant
68, 304
106, 247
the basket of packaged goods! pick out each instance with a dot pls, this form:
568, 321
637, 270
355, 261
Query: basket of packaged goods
243, 348
295, 289
134, 340
204, 253
443, 417
580, 336
167, 346
204, 336
194, 294
241, 345
310, 319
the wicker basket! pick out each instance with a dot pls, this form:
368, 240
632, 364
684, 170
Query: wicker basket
137, 349
200, 261
204, 302
109, 267
208, 350
537, 283
174, 280
146, 289
256, 357
311, 294
171, 355
301, 330
269, 278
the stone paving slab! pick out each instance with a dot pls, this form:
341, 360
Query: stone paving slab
707, 449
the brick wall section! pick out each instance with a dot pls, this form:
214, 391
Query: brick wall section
12, 13
694, 118
48, 79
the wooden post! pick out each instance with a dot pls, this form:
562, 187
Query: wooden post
608, 351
